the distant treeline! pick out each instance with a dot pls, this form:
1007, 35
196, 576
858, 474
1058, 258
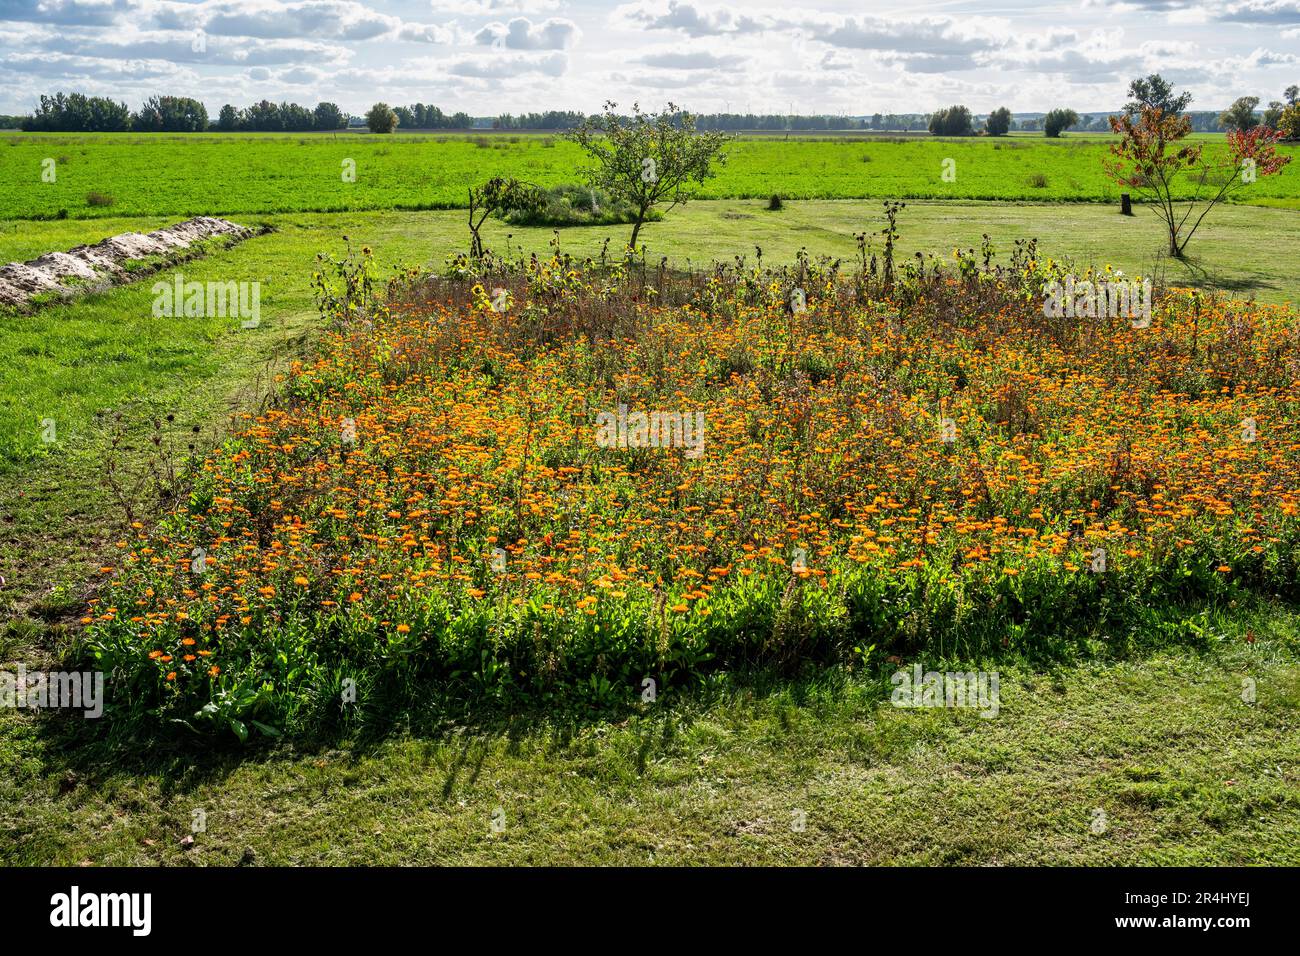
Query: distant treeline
777, 122
551, 119
76, 113
420, 116
1203, 121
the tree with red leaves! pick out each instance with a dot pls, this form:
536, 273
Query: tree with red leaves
1150, 159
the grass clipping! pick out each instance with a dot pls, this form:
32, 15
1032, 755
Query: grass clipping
108, 262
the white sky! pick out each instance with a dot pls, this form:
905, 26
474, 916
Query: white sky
491, 56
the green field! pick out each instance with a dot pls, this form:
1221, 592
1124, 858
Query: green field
264, 173
1159, 738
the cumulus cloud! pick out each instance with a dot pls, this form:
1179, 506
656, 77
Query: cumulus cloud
696, 20
489, 8
46, 65
425, 33
177, 48
924, 44
325, 19
500, 67
1263, 12
698, 60
522, 34
65, 12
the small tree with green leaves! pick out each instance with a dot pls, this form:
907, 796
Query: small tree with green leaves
649, 159
381, 118
1055, 122
499, 196
999, 122
952, 121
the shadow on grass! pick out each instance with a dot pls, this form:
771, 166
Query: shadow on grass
1199, 276
467, 727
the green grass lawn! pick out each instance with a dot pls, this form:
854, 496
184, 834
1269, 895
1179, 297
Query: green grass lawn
1153, 762
260, 173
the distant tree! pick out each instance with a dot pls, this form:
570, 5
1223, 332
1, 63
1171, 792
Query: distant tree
999, 122
171, 114
228, 118
1292, 95
876, 120
263, 116
1240, 116
297, 119
649, 159
1273, 114
1149, 159
1288, 124
76, 113
381, 118
1153, 92
1058, 120
327, 116
953, 121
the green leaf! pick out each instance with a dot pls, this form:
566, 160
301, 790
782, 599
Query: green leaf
265, 728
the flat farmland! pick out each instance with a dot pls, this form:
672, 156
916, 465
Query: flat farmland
226, 174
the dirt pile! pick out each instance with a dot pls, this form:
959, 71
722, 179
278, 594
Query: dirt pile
105, 262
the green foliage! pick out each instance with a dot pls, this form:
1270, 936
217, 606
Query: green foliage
76, 112
381, 118
327, 116
1155, 92
572, 204
170, 114
500, 196
1240, 116
1058, 120
649, 159
953, 121
999, 122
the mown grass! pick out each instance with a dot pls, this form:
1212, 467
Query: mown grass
239, 173
1185, 772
